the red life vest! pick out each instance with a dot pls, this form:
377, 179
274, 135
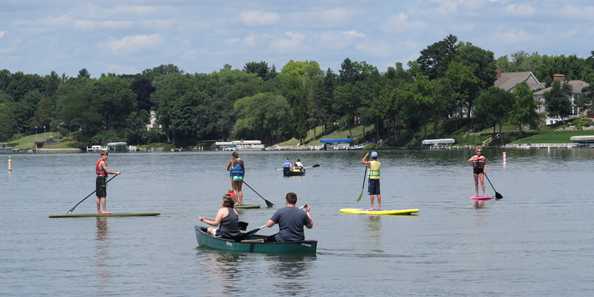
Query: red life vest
99, 170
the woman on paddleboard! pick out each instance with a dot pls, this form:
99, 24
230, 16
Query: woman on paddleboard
236, 168
478, 162
373, 187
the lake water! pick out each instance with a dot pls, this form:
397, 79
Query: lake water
537, 241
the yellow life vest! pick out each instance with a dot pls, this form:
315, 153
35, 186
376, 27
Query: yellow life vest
374, 169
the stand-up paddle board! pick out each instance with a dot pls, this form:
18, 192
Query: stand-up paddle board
387, 212
96, 215
247, 206
481, 197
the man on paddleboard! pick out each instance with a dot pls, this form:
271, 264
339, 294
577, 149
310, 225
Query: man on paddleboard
478, 162
373, 187
236, 168
291, 220
102, 171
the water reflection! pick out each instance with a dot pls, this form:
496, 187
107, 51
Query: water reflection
292, 274
225, 268
102, 254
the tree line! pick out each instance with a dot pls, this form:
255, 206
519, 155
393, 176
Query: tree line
448, 88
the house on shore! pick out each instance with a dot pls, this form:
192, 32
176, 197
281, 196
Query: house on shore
509, 80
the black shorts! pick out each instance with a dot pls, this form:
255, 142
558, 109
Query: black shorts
101, 186
478, 170
374, 187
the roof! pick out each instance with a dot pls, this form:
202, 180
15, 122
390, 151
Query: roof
336, 140
576, 87
509, 80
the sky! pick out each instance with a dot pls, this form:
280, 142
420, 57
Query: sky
119, 36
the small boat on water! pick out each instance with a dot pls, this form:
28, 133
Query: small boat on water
254, 244
294, 172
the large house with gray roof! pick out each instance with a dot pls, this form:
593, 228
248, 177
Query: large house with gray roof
509, 80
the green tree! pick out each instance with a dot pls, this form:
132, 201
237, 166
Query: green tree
524, 107
7, 128
263, 116
557, 100
435, 59
492, 107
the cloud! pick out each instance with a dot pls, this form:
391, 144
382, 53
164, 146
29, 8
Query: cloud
291, 41
333, 16
258, 18
101, 24
134, 42
398, 23
453, 6
2, 34
581, 12
134, 9
512, 36
340, 40
520, 9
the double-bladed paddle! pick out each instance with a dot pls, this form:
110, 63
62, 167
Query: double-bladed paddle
268, 203
497, 194
79, 202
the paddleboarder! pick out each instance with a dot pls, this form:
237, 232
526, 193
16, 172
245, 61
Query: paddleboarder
236, 168
478, 162
291, 220
374, 166
102, 171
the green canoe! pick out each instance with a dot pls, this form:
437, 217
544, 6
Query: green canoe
255, 244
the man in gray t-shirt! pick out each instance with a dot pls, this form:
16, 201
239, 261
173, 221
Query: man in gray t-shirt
291, 220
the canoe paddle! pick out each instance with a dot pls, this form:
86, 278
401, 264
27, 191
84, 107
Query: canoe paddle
79, 202
306, 167
497, 194
268, 203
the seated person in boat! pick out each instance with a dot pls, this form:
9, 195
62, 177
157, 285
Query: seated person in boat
287, 166
226, 222
298, 165
291, 220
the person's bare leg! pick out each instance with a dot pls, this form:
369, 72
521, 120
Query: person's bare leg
104, 206
482, 181
372, 200
98, 201
476, 182
379, 201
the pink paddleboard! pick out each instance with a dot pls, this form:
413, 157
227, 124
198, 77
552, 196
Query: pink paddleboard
481, 197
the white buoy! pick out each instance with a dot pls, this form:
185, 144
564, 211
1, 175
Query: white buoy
9, 164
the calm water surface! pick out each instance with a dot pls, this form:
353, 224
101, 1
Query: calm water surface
537, 241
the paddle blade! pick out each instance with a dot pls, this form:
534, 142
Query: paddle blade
360, 196
269, 204
315, 165
498, 196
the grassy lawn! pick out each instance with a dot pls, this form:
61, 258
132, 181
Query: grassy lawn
314, 135
553, 137
27, 142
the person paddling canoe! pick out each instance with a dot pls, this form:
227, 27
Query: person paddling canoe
102, 171
291, 220
373, 188
236, 168
478, 162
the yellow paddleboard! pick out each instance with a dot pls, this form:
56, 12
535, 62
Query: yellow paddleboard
387, 212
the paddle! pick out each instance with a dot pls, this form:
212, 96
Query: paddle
254, 231
268, 203
497, 194
306, 167
79, 202
362, 186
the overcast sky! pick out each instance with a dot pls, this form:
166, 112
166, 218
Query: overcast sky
203, 35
